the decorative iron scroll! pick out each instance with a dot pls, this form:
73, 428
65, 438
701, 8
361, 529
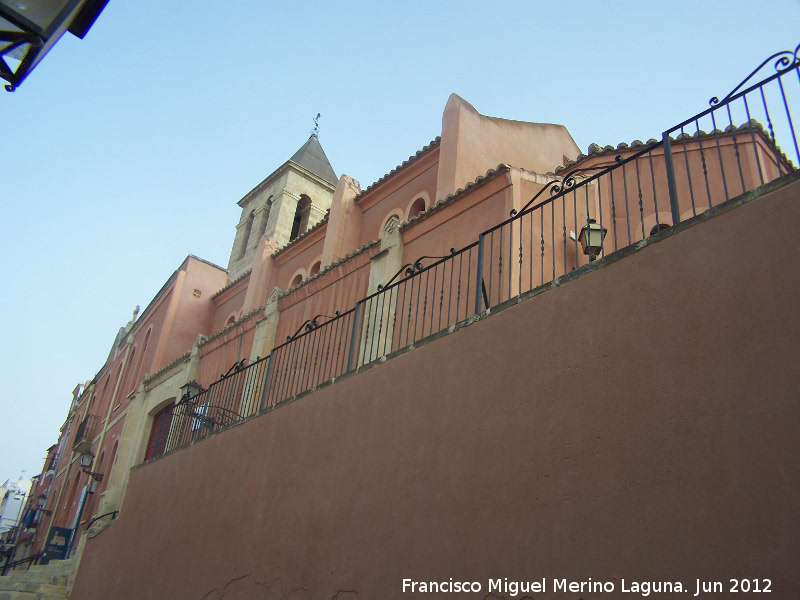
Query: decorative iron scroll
567, 182
311, 325
786, 60
412, 268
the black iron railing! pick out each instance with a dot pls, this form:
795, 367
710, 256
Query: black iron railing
113, 514
85, 433
618, 197
736, 158
233, 397
318, 352
20, 565
429, 299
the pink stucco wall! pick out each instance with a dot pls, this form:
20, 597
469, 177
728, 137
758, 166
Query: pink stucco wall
229, 304
218, 356
338, 289
639, 422
396, 194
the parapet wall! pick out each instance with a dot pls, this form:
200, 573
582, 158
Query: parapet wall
637, 423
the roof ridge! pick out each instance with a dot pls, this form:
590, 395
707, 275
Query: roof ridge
433, 143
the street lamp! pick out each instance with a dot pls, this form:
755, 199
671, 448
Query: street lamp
86, 463
29, 28
191, 390
591, 239
41, 500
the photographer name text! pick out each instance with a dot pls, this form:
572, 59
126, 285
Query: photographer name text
698, 587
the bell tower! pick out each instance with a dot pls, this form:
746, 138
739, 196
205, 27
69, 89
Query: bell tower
289, 202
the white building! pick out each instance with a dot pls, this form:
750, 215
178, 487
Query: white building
12, 500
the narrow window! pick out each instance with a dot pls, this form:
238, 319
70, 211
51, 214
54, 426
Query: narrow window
301, 215
417, 208
248, 226
262, 227
314, 269
131, 372
138, 372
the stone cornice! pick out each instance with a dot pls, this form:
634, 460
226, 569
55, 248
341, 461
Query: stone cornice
232, 289
146, 381
232, 283
233, 325
280, 171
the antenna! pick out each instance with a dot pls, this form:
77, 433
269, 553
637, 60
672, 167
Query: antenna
315, 131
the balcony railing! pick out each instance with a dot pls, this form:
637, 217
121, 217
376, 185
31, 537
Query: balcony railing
85, 433
628, 193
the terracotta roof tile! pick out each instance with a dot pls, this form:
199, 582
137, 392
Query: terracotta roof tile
434, 143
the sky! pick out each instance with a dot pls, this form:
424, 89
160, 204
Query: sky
128, 150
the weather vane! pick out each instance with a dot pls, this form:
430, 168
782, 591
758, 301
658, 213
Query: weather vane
315, 131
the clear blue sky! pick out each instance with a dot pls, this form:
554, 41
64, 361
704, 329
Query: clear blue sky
128, 150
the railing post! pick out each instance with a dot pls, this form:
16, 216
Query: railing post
263, 402
673, 190
479, 276
353, 337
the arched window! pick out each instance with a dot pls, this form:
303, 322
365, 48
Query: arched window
300, 224
138, 372
129, 373
231, 320
417, 208
314, 269
159, 432
248, 226
296, 281
71, 499
118, 379
659, 227
107, 474
90, 500
105, 388
262, 227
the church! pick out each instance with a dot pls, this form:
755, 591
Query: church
498, 344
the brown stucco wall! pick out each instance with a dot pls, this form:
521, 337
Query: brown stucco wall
639, 422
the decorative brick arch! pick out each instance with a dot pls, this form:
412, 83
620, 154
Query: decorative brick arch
316, 266
396, 213
296, 278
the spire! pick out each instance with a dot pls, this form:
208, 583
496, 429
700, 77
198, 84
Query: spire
312, 157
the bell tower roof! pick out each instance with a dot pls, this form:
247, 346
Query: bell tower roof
312, 157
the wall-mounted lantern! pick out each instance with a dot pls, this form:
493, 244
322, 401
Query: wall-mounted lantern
190, 391
591, 239
86, 464
41, 500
